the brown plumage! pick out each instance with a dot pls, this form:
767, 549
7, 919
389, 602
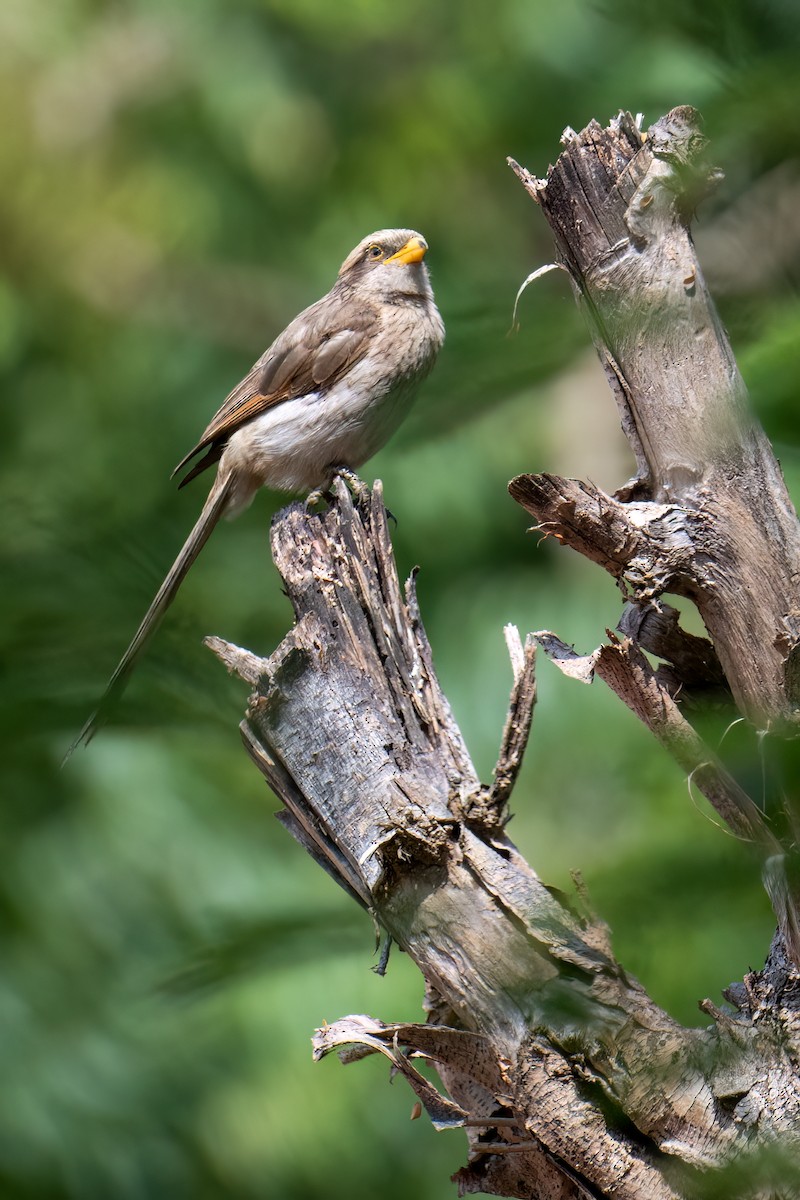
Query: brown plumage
313, 352
327, 394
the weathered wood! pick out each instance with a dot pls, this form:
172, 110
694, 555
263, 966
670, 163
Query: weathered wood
350, 728
568, 1080
708, 516
690, 669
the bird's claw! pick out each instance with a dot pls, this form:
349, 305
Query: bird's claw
358, 489
314, 499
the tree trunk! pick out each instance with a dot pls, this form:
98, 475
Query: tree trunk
569, 1080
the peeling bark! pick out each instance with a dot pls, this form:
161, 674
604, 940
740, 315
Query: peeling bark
709, 512
708, 516
567, 1079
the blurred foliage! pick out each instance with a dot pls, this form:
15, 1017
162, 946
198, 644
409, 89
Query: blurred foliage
178, 181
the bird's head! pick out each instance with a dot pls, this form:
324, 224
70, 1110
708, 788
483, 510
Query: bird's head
388, 261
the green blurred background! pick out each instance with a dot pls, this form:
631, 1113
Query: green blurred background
178, 180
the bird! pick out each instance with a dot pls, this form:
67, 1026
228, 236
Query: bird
320, 401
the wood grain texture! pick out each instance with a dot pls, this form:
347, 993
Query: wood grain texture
569, 1081
711, 504
566, 1077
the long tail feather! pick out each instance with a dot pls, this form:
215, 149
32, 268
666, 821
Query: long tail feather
211, 513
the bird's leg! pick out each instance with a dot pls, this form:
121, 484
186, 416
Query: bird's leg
359, 489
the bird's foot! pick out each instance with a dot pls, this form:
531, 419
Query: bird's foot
314, 499
358, 489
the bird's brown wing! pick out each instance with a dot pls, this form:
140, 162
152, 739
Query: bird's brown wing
311, 354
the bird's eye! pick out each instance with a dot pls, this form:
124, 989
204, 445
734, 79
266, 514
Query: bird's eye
375, 252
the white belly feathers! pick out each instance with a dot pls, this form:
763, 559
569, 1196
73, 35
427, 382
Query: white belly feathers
296, 445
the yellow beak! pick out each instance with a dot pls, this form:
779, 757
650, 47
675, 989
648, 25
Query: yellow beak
414, 251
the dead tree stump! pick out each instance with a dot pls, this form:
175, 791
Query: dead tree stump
569, 1080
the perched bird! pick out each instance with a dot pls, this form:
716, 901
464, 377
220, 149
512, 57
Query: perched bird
325, 397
